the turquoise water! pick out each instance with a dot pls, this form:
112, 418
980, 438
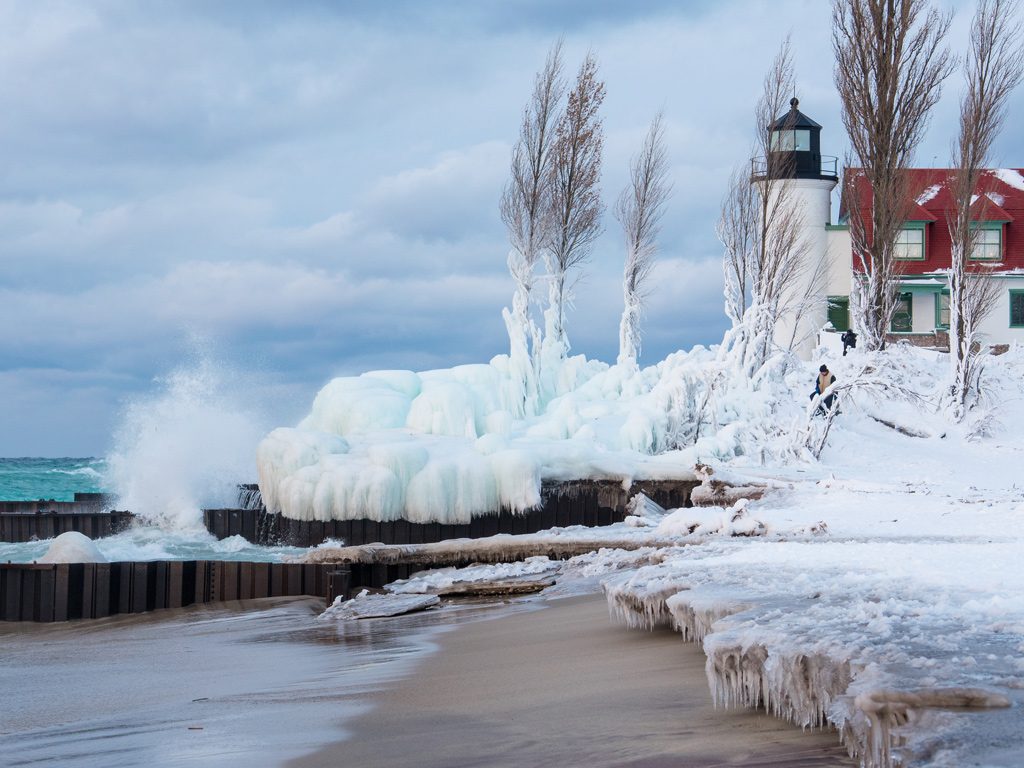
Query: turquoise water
28, 479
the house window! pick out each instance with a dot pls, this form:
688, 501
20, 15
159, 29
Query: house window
791, 141
839, 312
989, 245
910, 245
903, 317
942, 310
1017, 308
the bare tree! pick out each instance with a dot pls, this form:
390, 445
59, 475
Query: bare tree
575, 198
526, 211
890, 64
737, 229
993, 68
762, 231
639, 209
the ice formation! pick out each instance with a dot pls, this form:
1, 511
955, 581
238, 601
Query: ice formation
446, 445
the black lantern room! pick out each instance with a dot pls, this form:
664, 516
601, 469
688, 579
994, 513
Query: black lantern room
794, 147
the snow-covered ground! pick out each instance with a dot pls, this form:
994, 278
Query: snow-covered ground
879, 588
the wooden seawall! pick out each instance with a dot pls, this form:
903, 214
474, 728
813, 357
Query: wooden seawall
582, 502
68, 591
30, 520
38, 592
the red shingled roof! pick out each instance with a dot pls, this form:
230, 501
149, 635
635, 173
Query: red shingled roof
1000, 198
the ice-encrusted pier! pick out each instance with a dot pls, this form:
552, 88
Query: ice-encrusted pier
579, 502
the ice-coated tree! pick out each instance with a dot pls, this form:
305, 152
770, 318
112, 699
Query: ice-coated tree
575, 199
992, 69
760, 228
890, 64
639, 210
526, 212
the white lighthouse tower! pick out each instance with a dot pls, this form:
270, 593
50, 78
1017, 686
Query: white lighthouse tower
808, 180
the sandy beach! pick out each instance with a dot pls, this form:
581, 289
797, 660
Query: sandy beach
565, 685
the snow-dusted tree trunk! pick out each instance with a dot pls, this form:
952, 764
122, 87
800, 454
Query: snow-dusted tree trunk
639, 210
993, 69
575, 200
526, 212
890, 64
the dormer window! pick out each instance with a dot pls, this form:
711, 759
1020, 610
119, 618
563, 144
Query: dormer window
910, 244
798, 140
989, 243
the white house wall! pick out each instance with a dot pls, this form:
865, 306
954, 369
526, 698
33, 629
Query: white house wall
839, 266
996, 327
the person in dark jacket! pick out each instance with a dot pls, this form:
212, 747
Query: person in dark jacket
849, 339
824, 380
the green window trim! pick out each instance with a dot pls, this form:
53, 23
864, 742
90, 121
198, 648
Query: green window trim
903, 320
987, 243
939, 325
1019, 294
908, 238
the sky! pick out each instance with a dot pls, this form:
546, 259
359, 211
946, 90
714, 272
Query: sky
309, 189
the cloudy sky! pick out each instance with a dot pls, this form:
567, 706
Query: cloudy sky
310, 188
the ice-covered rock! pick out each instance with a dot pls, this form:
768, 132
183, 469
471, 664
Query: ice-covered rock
73, 547
371, 606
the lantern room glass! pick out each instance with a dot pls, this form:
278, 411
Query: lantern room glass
791, 141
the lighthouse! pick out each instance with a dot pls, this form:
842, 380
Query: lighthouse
808, 178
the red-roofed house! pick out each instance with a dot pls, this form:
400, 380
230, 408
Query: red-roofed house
923, 248
924, 253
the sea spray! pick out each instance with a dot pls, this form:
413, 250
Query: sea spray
186, 446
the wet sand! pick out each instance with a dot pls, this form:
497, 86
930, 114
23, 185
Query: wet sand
249, 683
565, 686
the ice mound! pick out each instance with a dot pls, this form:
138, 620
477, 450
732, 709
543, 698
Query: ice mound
447, 445
73, 547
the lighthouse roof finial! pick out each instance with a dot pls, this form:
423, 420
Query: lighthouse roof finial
794, 103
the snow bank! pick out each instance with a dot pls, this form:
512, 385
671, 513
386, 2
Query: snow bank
883, 594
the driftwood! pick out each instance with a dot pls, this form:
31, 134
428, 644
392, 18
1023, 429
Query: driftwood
718, 493
495, 549
522, 585
908, 431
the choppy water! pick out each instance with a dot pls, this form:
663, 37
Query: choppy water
27, 479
